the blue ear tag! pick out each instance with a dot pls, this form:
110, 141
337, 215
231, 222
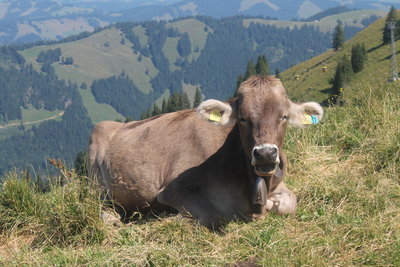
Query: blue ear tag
309, 119
314, 119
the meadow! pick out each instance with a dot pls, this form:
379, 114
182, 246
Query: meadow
345, 172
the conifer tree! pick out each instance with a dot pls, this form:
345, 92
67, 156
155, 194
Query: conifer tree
169, 105
251, 70
197, 98
156, 110
342, 75
174, 102
178, 101
164, 106
185, 101
184, 47
338, 37
358, 56
391, 17
262, 66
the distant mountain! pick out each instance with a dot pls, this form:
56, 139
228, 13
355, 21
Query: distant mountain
24, 21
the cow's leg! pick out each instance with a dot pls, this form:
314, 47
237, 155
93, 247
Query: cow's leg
191, 202
282, 200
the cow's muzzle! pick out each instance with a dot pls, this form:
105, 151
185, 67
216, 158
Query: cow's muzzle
265, 158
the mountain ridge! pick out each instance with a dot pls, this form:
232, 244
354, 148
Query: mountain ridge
31, 20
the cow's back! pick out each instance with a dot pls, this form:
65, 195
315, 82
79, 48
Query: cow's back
143, 157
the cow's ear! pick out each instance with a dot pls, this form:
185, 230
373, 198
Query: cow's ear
305, 114
217, 112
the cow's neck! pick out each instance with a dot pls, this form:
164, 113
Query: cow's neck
258, 188
234, 158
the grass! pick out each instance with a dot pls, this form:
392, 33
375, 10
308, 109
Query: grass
140, 31
345, 172
170, 50
98, 112
307, 80
197, 34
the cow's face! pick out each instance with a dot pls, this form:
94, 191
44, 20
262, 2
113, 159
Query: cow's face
262, 112
262, 116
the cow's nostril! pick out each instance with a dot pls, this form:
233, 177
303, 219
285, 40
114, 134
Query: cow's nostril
256, 153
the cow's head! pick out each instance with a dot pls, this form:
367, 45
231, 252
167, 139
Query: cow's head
262, 111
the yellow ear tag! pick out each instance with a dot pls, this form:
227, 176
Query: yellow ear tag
309, 119
215, 115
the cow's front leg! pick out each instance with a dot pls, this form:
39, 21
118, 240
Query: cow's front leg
282, 200
190, 199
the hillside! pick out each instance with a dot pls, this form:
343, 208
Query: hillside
154, 63
24, 21
308, 79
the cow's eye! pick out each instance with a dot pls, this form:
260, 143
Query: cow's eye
285, 118
242, 120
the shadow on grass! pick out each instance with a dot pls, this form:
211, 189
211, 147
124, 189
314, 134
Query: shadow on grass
375, 48
327, 90
388, 57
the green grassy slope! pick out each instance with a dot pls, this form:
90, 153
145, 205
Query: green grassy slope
104, 54
99, 56
307, 80
197, 35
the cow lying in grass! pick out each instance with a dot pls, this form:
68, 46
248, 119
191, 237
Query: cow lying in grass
219, 162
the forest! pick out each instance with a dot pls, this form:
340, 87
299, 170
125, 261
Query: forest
21, 86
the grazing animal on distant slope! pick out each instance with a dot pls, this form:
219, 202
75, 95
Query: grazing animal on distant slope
219, 162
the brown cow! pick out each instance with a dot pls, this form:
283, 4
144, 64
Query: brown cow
222, 162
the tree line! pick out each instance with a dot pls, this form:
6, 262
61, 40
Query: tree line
21, 86
229, 37
175, 102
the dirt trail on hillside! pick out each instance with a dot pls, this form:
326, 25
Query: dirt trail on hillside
31, 122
